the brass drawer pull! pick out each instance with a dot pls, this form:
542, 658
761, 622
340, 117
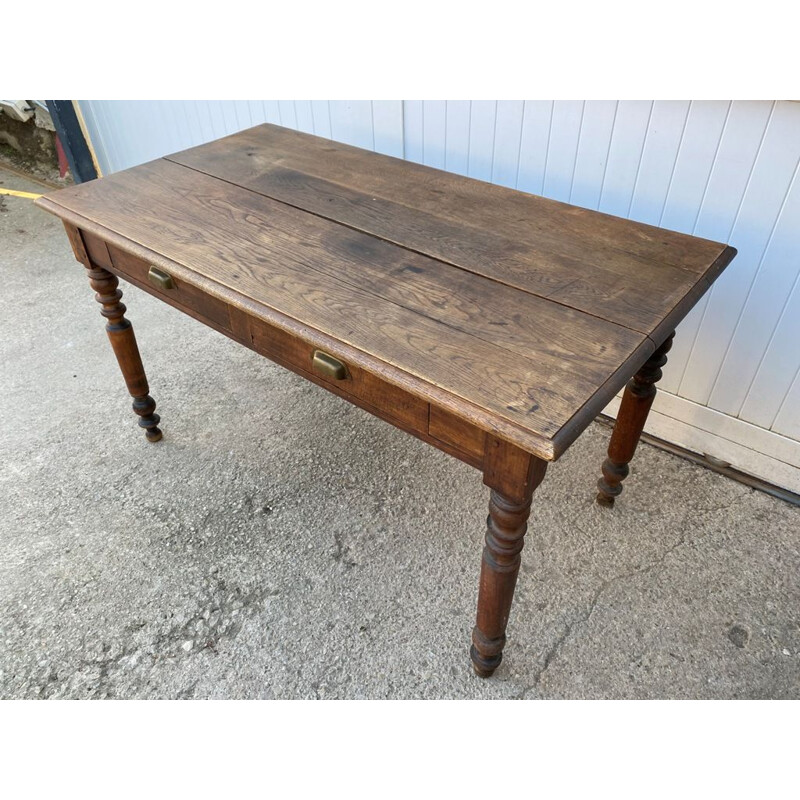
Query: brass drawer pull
160, 279
328, 367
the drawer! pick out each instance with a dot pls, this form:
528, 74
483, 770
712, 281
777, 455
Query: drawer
182, 295
362, 388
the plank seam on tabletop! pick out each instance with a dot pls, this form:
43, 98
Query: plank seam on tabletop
419, 252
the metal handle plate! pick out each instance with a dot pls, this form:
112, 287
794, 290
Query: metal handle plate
327, 366
160, 279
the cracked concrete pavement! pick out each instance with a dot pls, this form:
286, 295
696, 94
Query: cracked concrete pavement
281, 543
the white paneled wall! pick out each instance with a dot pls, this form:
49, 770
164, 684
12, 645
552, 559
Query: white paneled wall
717, 169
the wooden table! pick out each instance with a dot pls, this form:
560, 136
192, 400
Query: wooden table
491, 324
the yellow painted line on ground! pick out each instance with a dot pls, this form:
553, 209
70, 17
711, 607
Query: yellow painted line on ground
15, 193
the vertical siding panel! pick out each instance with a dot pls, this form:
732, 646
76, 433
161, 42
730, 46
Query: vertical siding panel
115, 161
592, 154
288, 114
769, 402
481, 138
228, 108
788, 420
715, 215
693, 164
760, 317
184, 136
624, 156
243, 113
304, 115
116, 122
155, 115
764, 195
413, 130
563, 149
272, 111
169, 116
190, 113
119, 156
507, 138
434, 132
257, 113
667, 126
216, 113
161, 115
351, 122
387, 125
134, 120
322, 117
199, 115
457, 139
165, 119
536, 120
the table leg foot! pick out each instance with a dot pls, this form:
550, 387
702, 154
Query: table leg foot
123, 342
636, 401
486, 654
145, 407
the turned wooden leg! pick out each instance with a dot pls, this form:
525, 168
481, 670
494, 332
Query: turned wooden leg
631, 417
120, 333
509, 507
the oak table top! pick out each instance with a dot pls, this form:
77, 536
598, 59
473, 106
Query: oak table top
464, 312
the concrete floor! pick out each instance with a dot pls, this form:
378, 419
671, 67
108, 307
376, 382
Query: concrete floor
281, 543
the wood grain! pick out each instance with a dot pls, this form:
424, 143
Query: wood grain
243, 309
619, 270
531, 362
184, 295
